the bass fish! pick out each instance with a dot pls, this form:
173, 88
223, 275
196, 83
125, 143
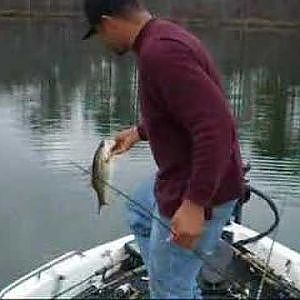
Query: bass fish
101, 171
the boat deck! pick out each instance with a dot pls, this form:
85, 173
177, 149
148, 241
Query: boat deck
245, 278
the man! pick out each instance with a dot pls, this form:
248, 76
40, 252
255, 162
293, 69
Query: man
188, 122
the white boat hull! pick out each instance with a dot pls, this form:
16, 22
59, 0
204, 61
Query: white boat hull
284, 261
78, 268
74, 268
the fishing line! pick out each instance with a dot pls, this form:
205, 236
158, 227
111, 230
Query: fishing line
267, 265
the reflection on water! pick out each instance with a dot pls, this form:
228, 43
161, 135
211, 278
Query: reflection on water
59, 97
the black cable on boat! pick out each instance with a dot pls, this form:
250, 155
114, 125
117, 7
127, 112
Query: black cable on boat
271, 229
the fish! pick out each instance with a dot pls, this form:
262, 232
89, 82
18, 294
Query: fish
100, 172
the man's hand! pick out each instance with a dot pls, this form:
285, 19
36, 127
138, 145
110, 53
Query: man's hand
125, 140
187, 225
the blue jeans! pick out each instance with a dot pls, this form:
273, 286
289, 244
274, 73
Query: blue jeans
172, 269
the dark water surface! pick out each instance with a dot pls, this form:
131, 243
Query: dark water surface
59, 97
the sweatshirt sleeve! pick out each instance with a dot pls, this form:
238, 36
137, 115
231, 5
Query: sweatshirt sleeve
196, 103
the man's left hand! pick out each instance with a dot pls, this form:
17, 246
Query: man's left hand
187, 225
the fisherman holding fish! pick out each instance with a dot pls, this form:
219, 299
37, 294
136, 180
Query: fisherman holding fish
187, 119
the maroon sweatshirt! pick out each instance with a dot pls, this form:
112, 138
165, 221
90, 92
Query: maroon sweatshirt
187, 120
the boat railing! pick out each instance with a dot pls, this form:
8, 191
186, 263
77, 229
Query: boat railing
37, 273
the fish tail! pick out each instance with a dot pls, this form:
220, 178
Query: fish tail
101, 201
100, 205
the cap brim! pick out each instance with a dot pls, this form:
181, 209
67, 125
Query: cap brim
89, 34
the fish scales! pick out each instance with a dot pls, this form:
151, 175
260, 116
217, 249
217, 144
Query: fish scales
100, 171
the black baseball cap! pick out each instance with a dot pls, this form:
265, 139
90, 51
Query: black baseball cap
95, 9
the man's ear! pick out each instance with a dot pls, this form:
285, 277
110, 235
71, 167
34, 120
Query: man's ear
105, 18
108, 20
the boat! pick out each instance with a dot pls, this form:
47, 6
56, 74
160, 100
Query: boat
115, 270
245, 265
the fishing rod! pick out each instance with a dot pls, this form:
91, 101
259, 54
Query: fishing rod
150, 214
145, 210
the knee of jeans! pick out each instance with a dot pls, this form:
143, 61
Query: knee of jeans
139, 229
137, 214
139, 221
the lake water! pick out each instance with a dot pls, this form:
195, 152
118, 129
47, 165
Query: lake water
59, 97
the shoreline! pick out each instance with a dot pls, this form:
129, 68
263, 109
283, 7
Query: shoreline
245, 23
15, 14
249, 23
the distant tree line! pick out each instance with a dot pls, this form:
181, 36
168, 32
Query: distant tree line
48, 67
43, 6
285, 10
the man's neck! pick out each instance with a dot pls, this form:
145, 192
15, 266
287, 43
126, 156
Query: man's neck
141, 20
